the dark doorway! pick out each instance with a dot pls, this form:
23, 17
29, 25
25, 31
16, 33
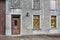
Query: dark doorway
15, 24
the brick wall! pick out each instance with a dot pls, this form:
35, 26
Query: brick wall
2, 17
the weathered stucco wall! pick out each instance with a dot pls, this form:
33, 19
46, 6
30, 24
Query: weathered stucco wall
26, 22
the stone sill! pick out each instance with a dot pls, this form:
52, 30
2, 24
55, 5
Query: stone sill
36, 9
36, 29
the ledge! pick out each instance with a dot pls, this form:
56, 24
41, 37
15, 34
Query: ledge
36, 29
33, 35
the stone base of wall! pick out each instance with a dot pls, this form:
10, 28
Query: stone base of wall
29, 38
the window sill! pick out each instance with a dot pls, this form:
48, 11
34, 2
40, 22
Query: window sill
14, 8
36, 29
36, 9
53, 28
53, 9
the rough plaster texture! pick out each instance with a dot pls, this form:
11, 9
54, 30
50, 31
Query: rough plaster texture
26, 22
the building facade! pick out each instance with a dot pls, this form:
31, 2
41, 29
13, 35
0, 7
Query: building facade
30, 17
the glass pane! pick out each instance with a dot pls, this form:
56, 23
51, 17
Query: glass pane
53, 4
36, 4
15, 22
53, 21
15, 3
36, 22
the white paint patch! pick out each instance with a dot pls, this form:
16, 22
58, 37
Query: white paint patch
16, 11
8, 25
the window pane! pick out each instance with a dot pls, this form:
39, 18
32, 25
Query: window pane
15, 22
15, 3
36, 4
53, 21
36, 21
53, 4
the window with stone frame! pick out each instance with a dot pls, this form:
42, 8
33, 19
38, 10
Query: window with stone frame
36, 21
15, 3
53, 4
53, 21
36, 4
